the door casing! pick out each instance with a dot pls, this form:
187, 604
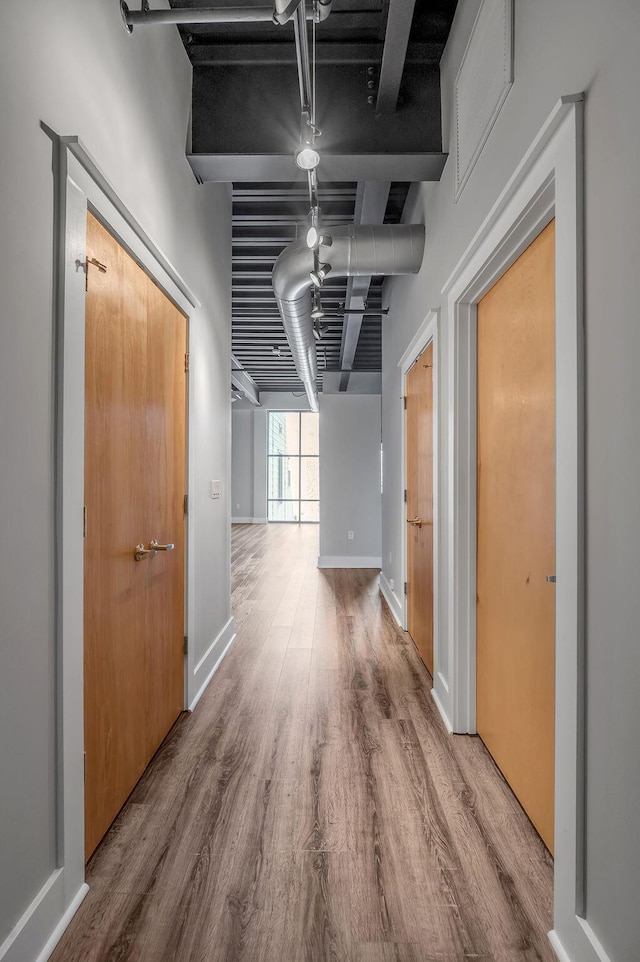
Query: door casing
426, 334
547, 183
81, 185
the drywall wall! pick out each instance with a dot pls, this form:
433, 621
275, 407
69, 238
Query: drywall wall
241, 464
249, 450
128, 99
350, 430
579, 45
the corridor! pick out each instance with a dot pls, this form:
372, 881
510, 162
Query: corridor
313, 807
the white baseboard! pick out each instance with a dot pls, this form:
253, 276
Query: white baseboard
337, 561
249, 520
581, 943
443, 714
208, 664
39, 929
557, 946
393, 602
59, 930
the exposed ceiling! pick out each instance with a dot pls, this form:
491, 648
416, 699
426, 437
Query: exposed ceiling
378, 104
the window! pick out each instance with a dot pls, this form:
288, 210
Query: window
293, 481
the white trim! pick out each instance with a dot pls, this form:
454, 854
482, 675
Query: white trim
557, 946
40, 927
242, 521
427, 333
80, 185
547, 183
210, 661
440, 707
259, 521
59, 930
345, 561
393, 602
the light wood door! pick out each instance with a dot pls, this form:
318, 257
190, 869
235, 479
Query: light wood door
134, 492
419, 506
516, 528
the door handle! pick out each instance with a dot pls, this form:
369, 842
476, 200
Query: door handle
551, 579
416, 522
154, 546
140, 552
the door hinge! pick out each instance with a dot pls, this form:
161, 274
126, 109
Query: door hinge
405, 495
84, 521
406, 585
186, 644
186, 505
186, 364
96, 263
84, 763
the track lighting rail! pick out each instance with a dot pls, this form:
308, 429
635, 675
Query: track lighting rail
186, 15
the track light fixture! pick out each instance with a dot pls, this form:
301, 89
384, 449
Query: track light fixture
316, 238
319, 273
306, 156
316, 309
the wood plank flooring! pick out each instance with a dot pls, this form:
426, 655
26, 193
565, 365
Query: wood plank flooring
313, 807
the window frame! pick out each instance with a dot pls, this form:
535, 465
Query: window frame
299, 457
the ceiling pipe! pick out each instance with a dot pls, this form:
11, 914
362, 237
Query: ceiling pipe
386, 249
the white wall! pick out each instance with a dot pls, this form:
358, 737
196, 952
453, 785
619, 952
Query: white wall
241, 463
249, 450
128, 98
350, 430
562, 48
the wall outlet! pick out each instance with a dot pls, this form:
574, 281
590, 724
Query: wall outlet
350, 535
392, 583
237, 506
215, 489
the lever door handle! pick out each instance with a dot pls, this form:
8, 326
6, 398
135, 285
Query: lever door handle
416, 522
551, 579
154, 546
140, 552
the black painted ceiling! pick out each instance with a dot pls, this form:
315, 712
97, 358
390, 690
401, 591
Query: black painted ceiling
245, 126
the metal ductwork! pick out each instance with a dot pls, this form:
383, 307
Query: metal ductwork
356, 251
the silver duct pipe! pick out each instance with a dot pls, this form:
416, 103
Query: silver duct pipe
356, 251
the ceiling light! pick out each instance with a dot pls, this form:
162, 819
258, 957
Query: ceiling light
316, 307
307, 157
315, 239
319, 273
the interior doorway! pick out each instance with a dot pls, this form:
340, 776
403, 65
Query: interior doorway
134, 546
515, 621
419, 503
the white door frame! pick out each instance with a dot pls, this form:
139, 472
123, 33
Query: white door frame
80, 186
427, 333
548, 183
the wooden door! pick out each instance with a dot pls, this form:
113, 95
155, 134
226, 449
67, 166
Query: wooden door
419, 506
516, 528
134, 492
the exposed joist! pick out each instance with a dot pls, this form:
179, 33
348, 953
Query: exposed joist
394, 57
258, 54
244, 382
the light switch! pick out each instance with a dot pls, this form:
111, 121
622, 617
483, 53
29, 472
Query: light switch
215, 489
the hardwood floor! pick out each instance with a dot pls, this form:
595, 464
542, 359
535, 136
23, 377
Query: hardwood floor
313, 807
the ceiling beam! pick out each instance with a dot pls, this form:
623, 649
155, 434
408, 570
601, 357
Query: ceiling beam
244, 382
371, 204
238, 168
396, 42
258, 54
